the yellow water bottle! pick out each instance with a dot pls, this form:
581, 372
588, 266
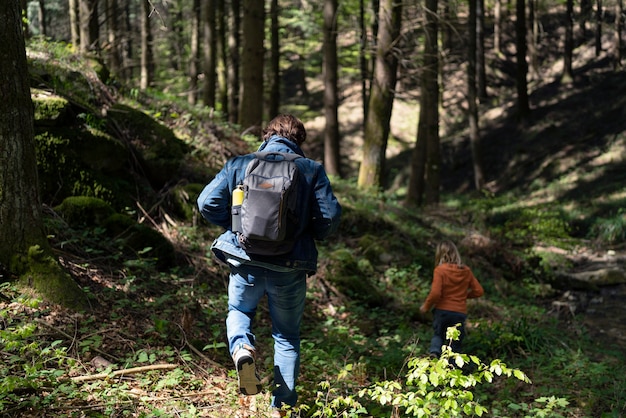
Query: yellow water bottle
236, 209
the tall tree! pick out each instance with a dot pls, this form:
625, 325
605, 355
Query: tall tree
382, 95
497, 27
115, 60
523, 108
568, 74
274, 96
472, 105
194, 52
331, 101
234, 46
426, 158
147, 56
363, 58
619, 25
599, 14
24, 250
481, 72
89, 25
74, 23
222, 52
251, 97
210, 53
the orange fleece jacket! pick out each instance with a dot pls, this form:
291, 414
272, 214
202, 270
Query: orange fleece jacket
452, 286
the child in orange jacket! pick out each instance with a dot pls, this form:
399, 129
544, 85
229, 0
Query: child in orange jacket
453, 283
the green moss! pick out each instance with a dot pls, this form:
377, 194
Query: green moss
84, 210
43, 273
50, 110
161, 151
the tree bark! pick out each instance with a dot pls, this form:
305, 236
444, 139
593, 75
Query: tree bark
89, 26
147, 57
568, 74
599, 13
210, 54
363, 58
523, 108
234, 46
24, 250
382, 95
274, 97
426, 157
331, 101
497, 27
619, 25
114, 55
251, 96
222, 59
194, 53
472, 106
481, 72
74, 23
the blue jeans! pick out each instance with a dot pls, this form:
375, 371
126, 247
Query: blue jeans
286, 293
441, 321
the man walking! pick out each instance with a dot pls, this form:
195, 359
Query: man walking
280, 277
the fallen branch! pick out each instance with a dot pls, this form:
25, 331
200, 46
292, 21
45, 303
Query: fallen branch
123, 372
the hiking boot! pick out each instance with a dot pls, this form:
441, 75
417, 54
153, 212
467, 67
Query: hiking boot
249, 382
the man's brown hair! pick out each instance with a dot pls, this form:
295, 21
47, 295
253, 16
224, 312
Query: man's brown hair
287, 126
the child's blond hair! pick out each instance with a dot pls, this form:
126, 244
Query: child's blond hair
447, 253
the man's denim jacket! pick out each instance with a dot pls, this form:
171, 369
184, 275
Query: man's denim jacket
318, 209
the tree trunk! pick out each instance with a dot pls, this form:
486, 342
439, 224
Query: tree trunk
24, 250
472, 106
532, 39
234, 46
381, 97
331, 102
568, 74
147, 58
222, 59
523, 109
619, 24
598, 27
89, 26
481, 72
42, 18
115, 60
194, 53
210, 53
426, 158
363, 58
251, 97
274, 97
74, 23
497, 27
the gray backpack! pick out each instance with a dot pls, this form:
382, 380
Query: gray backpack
268, 213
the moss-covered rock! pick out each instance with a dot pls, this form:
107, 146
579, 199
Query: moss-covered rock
181, 200
160, 151
84, 210
50, 109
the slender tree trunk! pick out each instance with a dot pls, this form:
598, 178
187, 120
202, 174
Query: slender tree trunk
24, 249
274, 97
599, 14
426, 158
532, 39
472, 106
115, 60
382, 96
523, 108
194, 53
42, 18
89, 26
234, 46
568, 74
363, 58
617, 43
74, 23
222, 58
147, 58
251, 97
210, 54
481, 72
497, 27
331, 102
